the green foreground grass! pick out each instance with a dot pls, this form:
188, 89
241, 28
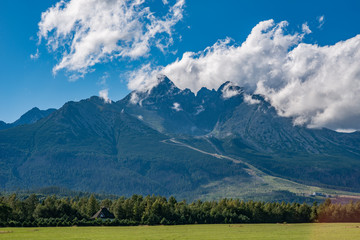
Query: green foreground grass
328, 231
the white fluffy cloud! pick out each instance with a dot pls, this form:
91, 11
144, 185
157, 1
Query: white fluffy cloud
321, 85
263, 53
318, 86
87, 32
104, 94
144, 79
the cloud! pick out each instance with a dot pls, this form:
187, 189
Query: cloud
36, 55
176, 107
321, 86
317, 86
250, 100
305, 28
321, 20
144, 78
103, 80
88, 32
104, 94
263, 53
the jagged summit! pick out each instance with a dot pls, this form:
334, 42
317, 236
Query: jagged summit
164, 86
229, 90
222, 86
163, 78
203, 92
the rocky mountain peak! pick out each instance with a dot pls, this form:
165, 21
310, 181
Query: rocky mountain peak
165, 86
32, 116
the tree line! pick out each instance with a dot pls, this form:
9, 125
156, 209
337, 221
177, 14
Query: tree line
155, 210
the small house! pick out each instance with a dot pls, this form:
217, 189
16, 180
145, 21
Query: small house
104, 214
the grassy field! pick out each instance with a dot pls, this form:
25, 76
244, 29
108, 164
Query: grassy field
334, 231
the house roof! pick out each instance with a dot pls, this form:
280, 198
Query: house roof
103, 213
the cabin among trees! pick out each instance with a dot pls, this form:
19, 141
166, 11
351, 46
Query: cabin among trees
103, 214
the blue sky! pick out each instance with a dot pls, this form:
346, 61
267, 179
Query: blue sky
26, 82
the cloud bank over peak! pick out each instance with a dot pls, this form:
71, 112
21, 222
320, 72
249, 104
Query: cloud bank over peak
263, 52
318, 86
87, 32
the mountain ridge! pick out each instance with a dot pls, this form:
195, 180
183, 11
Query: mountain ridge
91, 144
31, 116
93, 138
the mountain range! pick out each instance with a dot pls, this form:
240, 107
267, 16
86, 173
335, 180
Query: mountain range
168, 141
29, 117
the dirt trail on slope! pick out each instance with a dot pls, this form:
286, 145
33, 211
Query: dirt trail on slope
251, 169
277, 183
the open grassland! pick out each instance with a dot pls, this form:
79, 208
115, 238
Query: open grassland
333, 231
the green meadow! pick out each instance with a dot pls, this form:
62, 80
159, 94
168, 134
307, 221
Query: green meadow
328, 231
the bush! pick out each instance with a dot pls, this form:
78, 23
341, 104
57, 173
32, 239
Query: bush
126, 222
164, 221
115, 222
107, 222
83, 222
12, 223
26, 224
75, 222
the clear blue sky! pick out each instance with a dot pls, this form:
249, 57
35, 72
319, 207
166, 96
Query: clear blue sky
26, 83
